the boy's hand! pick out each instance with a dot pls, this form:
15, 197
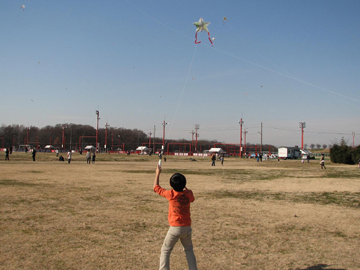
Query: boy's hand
158, 170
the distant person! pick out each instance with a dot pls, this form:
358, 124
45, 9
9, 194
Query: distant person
69, 156
359, 163
308, 158
57, 152
179, 219
213, 158
7, 151
33, 154
61, 158
88, 157
260, 157
322, 162
222, 160
93, 158
11, 150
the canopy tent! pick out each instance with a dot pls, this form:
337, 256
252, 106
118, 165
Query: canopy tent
49, 146
89, 147
305, 152
142, 148
216, 150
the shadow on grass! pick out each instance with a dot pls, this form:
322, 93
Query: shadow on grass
319, 267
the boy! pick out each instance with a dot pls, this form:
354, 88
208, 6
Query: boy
179, 219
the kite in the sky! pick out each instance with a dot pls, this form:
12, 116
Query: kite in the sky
224, 20
22, 7
202, 26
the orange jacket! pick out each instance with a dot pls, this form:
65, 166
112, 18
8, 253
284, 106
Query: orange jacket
179, 205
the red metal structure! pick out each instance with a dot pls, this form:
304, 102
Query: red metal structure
230, 148
180, 144
84, 137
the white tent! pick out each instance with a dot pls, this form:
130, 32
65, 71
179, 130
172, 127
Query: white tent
89, 147
49, 146
216, 150
142, 149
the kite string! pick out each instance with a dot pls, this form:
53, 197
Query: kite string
184, 87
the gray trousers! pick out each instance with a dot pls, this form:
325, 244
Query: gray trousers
172, 236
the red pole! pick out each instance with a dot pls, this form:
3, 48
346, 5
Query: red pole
302, 125
245, 140
196, 141
150, 139
302, 137
97, 129
192, 141
63, 138
241, 123
106, 132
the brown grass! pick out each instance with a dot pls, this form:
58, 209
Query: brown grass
247, 215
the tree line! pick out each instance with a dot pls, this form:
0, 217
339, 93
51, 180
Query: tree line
76, 137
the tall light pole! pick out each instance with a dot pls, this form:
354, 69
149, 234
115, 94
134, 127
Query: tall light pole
197, 126
302, 125
241, 122
164, 124
192, 141
261, 137
97, 129
27, 135
150, 139
63, 137
353, 133
245, 131
154, 141
106, 133
260, 132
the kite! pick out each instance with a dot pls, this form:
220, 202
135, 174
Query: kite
202, 26
23, 7
224, 20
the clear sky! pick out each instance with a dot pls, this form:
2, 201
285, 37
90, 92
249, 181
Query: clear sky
273, 62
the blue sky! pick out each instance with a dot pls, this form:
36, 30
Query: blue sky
276, 62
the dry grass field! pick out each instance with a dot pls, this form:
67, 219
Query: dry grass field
246, 215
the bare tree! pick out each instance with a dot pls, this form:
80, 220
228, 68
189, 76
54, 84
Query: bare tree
312, 146
324, 146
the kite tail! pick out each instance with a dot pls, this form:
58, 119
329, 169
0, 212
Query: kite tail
196, 41
210, 39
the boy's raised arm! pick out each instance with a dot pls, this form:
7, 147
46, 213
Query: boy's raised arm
157, 175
